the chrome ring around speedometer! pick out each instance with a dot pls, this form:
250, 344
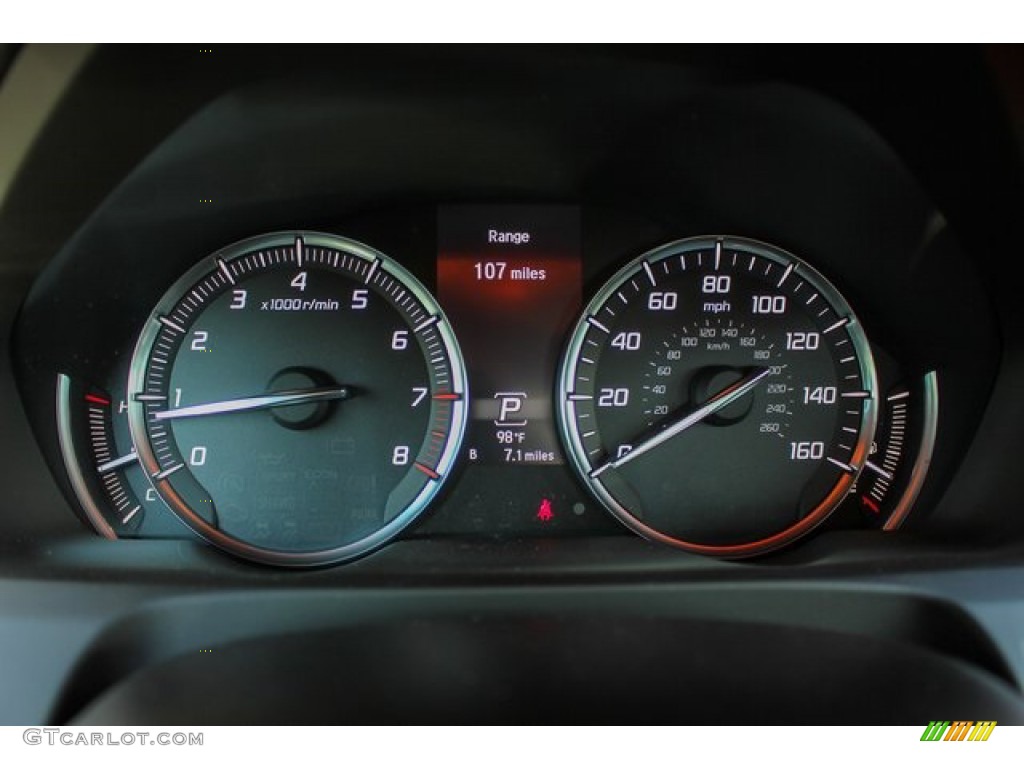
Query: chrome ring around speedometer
718, 395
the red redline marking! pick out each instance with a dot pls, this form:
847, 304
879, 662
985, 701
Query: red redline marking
96, 399
438, 434
426, 470
450, 396
870, 504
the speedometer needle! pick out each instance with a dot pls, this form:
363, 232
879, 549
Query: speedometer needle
276, 400
730, 394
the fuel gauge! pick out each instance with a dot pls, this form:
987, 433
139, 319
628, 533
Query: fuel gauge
900, 454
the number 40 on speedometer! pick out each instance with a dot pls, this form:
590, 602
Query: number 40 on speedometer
717, 394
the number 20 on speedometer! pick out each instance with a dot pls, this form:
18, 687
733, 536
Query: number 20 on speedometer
718, 395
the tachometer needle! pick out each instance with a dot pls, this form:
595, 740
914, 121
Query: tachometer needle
275, 400
730, 394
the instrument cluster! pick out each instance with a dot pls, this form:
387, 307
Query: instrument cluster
301, 398
720, 320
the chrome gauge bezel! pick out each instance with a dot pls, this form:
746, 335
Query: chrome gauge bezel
566, 409
246, 550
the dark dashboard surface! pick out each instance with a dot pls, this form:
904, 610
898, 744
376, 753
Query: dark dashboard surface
895, 173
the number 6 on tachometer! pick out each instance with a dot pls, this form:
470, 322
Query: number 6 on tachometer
297, 398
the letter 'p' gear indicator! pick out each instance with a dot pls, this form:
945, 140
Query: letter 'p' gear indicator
509, 278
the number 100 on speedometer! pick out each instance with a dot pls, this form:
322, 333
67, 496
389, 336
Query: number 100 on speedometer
718, 395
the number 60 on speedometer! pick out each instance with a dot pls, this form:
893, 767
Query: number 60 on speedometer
718, 395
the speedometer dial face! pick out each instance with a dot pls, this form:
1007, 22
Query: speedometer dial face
718, 395
297, 398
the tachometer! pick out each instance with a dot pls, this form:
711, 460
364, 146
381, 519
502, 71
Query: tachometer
297, 398
718, 395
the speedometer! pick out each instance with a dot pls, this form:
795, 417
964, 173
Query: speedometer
718, 395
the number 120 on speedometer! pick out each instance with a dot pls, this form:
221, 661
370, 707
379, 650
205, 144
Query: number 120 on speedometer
718, 395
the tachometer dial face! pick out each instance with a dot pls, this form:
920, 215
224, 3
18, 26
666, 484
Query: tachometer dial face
718, 395
297, 398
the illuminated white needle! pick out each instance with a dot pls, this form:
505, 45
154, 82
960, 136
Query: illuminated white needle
128, 458
730, 394
276, 400
878, 470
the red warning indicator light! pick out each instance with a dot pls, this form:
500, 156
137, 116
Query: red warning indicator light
544, 512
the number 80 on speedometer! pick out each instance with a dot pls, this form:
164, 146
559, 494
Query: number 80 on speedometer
718, 395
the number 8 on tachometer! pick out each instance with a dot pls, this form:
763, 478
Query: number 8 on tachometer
297, 398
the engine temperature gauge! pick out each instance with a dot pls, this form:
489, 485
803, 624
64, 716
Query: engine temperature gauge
117, 499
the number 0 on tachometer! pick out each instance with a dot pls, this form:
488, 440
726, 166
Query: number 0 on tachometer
297, 398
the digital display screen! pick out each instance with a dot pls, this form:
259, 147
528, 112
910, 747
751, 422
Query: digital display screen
509, 278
